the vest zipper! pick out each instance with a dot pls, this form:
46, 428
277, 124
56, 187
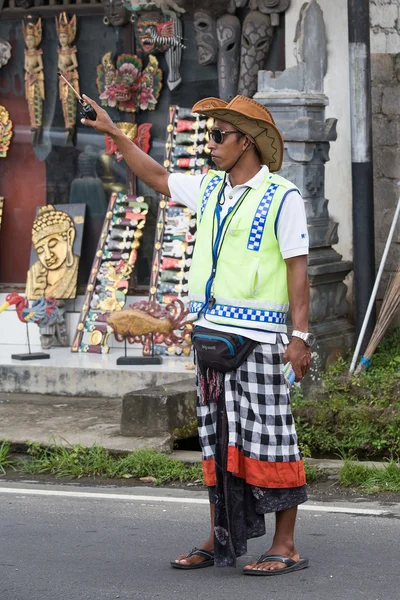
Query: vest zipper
258, 281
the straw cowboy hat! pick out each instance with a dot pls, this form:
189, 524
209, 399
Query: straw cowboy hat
251, 118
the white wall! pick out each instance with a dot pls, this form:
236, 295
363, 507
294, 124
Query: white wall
338, 186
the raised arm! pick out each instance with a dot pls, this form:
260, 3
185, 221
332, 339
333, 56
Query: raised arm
144, 167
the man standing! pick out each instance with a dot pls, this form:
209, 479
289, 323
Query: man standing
249, 265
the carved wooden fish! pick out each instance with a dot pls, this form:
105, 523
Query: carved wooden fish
137, 322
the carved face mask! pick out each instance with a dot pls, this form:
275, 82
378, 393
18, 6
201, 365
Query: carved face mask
115, 13
206, 38
145, 26
5, 52
257, 36
228, 35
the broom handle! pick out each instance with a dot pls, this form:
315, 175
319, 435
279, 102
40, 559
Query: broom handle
375, 290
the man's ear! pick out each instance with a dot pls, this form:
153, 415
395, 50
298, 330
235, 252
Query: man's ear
247, 143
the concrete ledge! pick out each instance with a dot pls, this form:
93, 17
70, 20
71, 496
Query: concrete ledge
158, 411
65, 421
86, 383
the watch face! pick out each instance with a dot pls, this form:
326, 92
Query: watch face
310, 339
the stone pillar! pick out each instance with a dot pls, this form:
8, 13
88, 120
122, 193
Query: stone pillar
297, 102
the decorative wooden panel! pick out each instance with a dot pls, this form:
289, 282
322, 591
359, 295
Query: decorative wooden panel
186, 152
112, 268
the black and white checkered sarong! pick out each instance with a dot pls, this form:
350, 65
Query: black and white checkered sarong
260, 420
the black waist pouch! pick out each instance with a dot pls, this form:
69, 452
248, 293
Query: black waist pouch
220, 351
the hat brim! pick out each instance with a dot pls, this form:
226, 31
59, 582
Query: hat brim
265, 135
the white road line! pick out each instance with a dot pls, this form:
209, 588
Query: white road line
176, 500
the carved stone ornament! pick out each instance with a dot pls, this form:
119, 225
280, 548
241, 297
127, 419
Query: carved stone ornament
115, 13
296, 100
126, 85
5, 52
228, 34
311, 53
5, 131
257, 35
55, 258
34, 76
206, 38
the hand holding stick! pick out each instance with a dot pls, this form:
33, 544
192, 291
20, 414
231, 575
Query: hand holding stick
88, 111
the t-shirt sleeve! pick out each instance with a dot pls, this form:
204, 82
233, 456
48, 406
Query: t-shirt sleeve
291, 226
185, 189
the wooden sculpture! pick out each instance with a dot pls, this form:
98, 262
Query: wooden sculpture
154, 33
5, 52
34, 76
139, 135
5, 131
56, 270
127, 85
43, 311
68, 67
146, 322
112, 268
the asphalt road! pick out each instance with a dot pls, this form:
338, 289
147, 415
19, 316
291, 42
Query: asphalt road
77, 547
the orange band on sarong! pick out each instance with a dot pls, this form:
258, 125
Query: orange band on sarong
257, 472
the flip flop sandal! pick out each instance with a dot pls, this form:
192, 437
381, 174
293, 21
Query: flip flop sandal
208, 562
291, 565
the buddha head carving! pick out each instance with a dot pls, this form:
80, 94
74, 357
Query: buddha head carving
53, 236
115, 13
55, 273
257, 35
206, 37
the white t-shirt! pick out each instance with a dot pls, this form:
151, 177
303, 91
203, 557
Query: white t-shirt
292, 232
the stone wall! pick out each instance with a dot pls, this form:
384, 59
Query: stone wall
385, 28
385, 75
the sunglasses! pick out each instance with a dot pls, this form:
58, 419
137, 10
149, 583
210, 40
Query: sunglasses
218, 135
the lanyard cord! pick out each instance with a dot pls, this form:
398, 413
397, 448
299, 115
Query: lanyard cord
215, 254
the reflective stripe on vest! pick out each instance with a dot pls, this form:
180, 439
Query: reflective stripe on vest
207, 193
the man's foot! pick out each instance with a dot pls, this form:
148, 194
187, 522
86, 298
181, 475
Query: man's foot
274, 565
191, 558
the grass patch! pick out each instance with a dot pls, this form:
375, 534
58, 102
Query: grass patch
371, 479
312, 473
5, 461
357, 416
77, 462
148, 463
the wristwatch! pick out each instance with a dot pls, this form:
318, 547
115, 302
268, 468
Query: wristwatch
308, 338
